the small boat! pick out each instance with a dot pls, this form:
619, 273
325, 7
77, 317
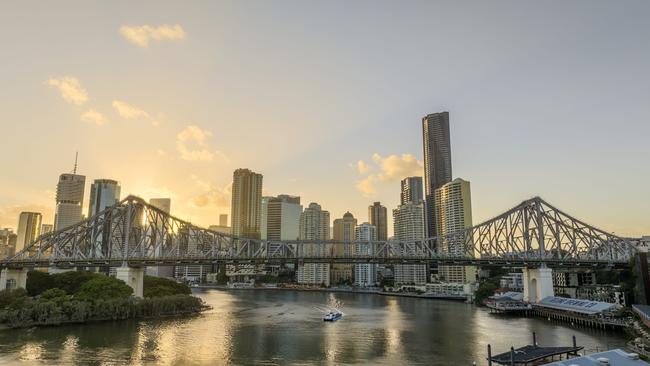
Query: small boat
333, 316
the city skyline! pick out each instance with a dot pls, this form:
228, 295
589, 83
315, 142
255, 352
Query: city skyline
576, 136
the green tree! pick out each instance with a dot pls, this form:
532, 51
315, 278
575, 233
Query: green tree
158, 287
14, 299
55, 295
103, 288
38, 281
71, 281
485, 290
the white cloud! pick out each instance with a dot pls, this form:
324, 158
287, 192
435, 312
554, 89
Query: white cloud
391, 168
363, 167
192, 144
94, 117
142, 35
212, 196
70, 89
128, 111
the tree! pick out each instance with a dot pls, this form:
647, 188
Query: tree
103, 288
14, 299
54, 295
158, 287
71, 281
485, 290
222, 279
38, 281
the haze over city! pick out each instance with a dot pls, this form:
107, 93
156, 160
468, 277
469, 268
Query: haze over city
327, 105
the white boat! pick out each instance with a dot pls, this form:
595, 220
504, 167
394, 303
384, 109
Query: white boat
333, 316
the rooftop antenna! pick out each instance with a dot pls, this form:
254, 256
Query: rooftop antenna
76, 156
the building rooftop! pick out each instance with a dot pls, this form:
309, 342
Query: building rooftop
579, 306
530, 353
614, 357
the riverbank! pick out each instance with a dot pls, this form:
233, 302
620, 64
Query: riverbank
332, 289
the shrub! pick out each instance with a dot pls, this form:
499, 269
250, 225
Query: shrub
14, 299
71, 281
38, 282
158, 287
103, 288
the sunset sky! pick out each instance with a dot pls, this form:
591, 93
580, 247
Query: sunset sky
326, 100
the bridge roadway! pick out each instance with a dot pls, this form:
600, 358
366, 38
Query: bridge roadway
195, 260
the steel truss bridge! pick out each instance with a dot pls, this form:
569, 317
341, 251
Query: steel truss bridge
134, 233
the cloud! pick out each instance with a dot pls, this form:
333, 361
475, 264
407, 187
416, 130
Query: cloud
70, 89
363, 167
142, 35
128, 111
391, 168
212, 196
192, 144
94, 117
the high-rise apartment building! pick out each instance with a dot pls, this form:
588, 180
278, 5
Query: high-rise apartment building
246, 219
7, 243
378, 216
223, 220
29, 228
69, 199
104, 193
412, 190
408, 225
365, 274
453, 214
314, 225
437, 161
246, 208
344, 231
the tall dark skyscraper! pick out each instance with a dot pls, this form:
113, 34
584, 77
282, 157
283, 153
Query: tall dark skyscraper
377, 214
437, 162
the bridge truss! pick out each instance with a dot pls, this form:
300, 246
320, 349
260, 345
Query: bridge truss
135, 233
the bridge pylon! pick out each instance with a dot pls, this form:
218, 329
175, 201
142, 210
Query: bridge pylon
538, 283
134, 277
11, 278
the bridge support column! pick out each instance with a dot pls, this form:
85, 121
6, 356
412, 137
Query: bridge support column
538, 284
13, 278
134, 277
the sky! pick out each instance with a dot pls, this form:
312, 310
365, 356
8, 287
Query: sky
325, 99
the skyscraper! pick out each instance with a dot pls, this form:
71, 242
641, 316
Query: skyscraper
29, 228
344, 231
408, 225
246, 206
365, 274
437, 161
453, 214
314, 225
69, 199
411, 190
377, 214
283, 217
104, 193
223, 220
246, 218
7, 243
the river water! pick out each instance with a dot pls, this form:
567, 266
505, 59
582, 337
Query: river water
285, 327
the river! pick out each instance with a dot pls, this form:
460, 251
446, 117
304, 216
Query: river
285, 327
